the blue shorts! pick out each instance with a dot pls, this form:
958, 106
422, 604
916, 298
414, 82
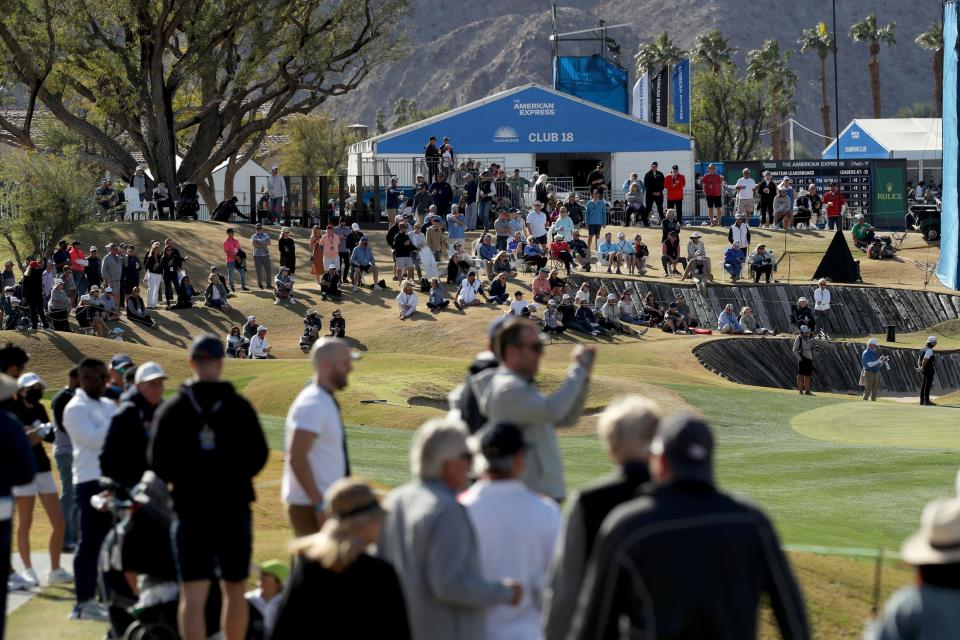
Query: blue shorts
203, 544
594, 229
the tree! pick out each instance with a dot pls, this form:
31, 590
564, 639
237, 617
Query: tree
712, 49
768, 66
932, 40
919, 110
867, 31
206, 78
821, 41
381, 126
317, 145
728, 112
660, 52
408, 111
49, 197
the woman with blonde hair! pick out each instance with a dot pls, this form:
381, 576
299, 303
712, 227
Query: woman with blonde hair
316, 252
333, 568
154, 278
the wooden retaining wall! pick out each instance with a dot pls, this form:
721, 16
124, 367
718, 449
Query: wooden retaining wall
769, 362
856, 310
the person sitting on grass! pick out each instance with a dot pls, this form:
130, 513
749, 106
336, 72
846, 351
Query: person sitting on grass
557, 284
458, 264
751, 324
312, 325
600, 299
580, 251
568, 315
652, 309
338, 325
640, 254
863, 233
673, 320
553, 319
502, 264
498, 290
136, 310
728, 322
609, 253
486, 252
671, 255
259, 345
215, 294
237, 344
468, 295
518, 306
583, 294
761, 263
533, 253
436, 301
330, 284
684, 309
250, 327
541, 286
268, 595
733, 260
560, 250
406, 300
110, 311
186, 292
627, 311
588, 319
283, 286
90, 312
804, 315
610, 315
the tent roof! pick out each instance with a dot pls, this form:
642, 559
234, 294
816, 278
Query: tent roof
531, 118
910, 138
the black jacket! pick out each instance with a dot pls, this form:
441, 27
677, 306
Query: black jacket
687, 561
209, 471
767, 191
124, 454
16, 459
653, 182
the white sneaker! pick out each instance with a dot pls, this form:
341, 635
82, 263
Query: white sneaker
90, 610
30, 577
276, 301
293, 300
59, 576
353, 288
377, 287
16, 583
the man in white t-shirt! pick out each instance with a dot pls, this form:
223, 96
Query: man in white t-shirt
314, 440
537, 223
518, 305
468, 295
746, 188
516, 530
259, 345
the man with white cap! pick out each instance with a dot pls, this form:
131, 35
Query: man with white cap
687, 560
862, 232
871, 361
928, 608
699, 264
926, 365
124, 455
259, 346
821, 305
456, 228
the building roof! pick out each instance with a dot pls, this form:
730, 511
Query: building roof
530, 119
909, 138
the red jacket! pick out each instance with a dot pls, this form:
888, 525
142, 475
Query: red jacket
674, 186
833, 202
712, 184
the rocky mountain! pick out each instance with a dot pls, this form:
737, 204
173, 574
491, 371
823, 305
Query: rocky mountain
459, 51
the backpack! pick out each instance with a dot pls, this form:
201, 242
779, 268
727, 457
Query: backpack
424, 285
875, 251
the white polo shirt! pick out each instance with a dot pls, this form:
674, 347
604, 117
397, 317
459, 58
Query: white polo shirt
537, 222
821, 299
468, 292
87, 422
259, 346
314, 411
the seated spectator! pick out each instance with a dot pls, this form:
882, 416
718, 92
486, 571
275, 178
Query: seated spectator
782, 210
237, 344
863, 234
728, 322
697, 251
533, 253
557, 284
498, 290
362, 261
90, 312
671, 255
609, 254
580, 251
136, 310
518, 306
436, 301
640, 254
459, 264
283, 286
684, 309
502, 264
804, 315
673, 320
259, 345
601, 298
553, 319
610, 315
250, 327
652, 308
59, 307
338, 325
330, 284
928, 608
469, 293
560, 250
583, 294
215, 294
588, 319
733, 260
541, 286
266, 598
186, 292
751, 324
761, 263
568, 314
109, 305
515, 245
406, 300
625, 249
627, 311
486, 252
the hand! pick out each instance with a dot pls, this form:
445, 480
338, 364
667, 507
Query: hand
517, 590
584, 356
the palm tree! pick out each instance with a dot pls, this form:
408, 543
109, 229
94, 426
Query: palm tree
932, 39
712, 49
867, 31
660, 52
771, 68
820, 40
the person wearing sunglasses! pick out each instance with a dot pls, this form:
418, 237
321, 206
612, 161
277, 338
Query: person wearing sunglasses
513, 397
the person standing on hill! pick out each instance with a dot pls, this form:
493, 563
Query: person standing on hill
207, 443
926, 365
674, 185
314, 438
712, 183
653, 181
432, 157
833, 202
871, 361
803, 350
231, 246
597, 181
261, 255
767, 190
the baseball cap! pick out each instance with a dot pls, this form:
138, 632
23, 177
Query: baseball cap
676, 167
804, 329
695, 234
93, 248
261, 327
611, 297
501, 440
28, 380
874, 342
207, 347
149, 371
120, 361
552, 302
567, 296
686, 442
355, 226
259, 225
276, 568
251, 318
932, 339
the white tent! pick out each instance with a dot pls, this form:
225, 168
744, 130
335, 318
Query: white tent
919, 141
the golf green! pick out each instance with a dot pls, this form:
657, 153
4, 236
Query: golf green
882, 424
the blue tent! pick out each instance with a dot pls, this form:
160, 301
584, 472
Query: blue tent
533, 119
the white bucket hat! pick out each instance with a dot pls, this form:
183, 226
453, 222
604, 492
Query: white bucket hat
938, 540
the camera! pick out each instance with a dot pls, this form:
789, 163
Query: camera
44, 429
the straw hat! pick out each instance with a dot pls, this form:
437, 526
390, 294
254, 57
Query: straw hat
938, 540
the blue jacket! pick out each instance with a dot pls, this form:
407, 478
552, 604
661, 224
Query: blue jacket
870, 360
730, 319
394, 197
597, 212
361, 256
487, 251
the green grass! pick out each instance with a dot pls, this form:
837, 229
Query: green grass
882, 424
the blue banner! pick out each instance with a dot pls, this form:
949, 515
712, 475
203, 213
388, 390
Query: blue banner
948, 268
592, 78
681, 92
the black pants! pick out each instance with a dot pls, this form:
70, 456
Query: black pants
94, 526
833, 222
665, 260
926, 382
169, 285
766, 211
433, 166
658, 200
676, 205
758, 270
344, 264
566, 259
6, 531
37, 314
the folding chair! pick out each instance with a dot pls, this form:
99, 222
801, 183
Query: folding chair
131, 199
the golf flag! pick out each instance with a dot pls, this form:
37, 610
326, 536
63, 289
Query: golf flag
681, 92
641, 98
948, 267
658, 98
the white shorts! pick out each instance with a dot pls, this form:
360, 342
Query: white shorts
42, 483
329, 263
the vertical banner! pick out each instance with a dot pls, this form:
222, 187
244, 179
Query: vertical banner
948, 268
681, 92
658, 97
641, 98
